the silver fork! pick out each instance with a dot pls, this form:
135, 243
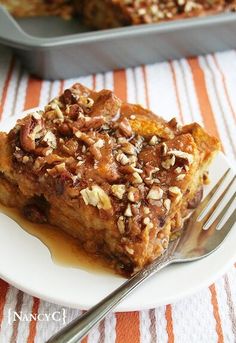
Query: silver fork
203, 233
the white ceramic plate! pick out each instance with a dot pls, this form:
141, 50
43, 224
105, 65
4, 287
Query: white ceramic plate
26, 263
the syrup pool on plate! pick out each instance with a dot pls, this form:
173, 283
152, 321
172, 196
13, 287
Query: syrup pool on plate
64, 249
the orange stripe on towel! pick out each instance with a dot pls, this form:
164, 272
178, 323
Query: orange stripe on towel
120, 84
33, 93
169, 324
127, 327
216, 314
3, 293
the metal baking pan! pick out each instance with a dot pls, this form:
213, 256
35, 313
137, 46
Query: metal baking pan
52, 48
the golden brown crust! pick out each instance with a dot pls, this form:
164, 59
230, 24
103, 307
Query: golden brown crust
112, 174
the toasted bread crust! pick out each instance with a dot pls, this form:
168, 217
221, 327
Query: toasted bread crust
112, 174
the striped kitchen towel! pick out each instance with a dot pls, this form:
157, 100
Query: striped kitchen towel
201, 89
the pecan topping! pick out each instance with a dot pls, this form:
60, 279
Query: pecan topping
121, 224
133, 194
129, 250
125, 128
69, 97
154, 140
136, 178
95, 149
167, 204
65, 130
146, 210
180, 177
69, 147
128, 212
181, 154
31, 129
84, 137
94, 122
50, 140
73, 111
58, 169
58, 112
122, 158
164, 149
25, 159
173, 122
128, 148
118, 191
86, 101
168, 163
178, 170
148, 224
96, 197
175, 192
155, 193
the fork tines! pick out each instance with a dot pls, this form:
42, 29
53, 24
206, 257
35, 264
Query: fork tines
215, 200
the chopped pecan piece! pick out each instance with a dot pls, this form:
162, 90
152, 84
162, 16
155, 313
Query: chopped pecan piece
96, 197
169, 162
125, 128
175, 192
31, 129
50, 139
84, 137
118, 191
121, 224
122, 158
155, 193
68, 97
136, 178
133, 194
128, 211
181, 154
73, 111
65, 129
94, 122
128, 148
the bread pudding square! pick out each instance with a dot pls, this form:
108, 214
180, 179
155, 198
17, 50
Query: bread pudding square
111, 174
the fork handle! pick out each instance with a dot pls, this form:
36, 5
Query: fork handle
80, 327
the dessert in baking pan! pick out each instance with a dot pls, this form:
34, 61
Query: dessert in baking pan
101, 14
112, 174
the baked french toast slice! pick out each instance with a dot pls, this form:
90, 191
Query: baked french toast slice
114, 175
